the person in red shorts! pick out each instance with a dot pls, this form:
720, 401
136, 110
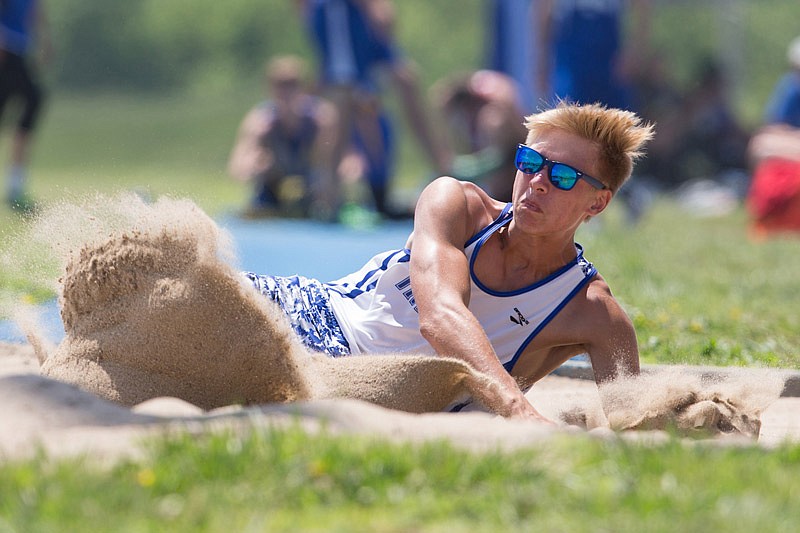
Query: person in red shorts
774, 196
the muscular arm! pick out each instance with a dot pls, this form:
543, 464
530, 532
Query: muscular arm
775, 140
613, 349
448, 213
248, 159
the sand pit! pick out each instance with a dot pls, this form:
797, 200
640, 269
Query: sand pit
41, 413
161, 330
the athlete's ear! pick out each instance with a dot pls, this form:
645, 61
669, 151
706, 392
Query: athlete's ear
601, 200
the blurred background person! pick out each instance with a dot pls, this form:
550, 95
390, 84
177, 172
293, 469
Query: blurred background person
585, 56
715, 142
658, 97
511, 45
483, 115
699, 136
284, 146
774, 196
356, 47
23, 25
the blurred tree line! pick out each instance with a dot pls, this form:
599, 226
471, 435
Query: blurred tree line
174, 44
166, 44
158, 45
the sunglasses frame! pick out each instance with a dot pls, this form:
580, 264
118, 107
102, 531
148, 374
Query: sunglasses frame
549, 163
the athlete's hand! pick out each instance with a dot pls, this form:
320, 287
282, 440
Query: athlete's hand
524, 410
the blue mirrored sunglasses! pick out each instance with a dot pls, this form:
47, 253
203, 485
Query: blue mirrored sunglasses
561, 175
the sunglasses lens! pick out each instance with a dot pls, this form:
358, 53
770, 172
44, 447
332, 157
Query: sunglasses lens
563, 176
528, 160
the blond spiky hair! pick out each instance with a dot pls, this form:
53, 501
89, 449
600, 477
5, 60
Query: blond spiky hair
620, 135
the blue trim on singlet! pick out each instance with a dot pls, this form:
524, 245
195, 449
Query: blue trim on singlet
502, 294
484, 235
588, 276
359, 287
502, 218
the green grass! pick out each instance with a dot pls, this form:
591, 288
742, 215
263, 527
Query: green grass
699, 290
290, 481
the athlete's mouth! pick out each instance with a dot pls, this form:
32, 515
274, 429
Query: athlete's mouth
530, 204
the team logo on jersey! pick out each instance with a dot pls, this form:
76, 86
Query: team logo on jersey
587, 267
519, 319
404, 286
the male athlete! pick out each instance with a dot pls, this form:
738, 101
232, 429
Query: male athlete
501, 286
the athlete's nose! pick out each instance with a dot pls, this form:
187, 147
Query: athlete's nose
539, 180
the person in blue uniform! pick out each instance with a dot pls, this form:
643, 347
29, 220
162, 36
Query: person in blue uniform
356, 47
511, 45
584, 53
22, 24
783, 106
500, 285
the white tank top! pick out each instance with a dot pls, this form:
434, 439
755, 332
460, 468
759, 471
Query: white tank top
377, 312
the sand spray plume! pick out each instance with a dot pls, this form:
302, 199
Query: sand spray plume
152, 306
30, 269
68, 226
27, 318
682, 400
673, 397
40, 251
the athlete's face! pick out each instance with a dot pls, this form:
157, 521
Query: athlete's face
544, 207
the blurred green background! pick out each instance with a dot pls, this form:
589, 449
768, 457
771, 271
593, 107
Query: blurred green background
148, 93
208, 46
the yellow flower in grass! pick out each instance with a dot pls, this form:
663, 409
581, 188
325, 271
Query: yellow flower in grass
146, 477
696, 326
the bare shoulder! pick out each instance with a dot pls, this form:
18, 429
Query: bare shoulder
612, 343
258, 117
601, 303
455, 203
481, 205
449, 186
595, 310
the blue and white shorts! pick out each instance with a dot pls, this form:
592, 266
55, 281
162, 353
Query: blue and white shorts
307, 304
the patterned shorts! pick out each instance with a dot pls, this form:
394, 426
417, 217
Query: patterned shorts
305, 301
